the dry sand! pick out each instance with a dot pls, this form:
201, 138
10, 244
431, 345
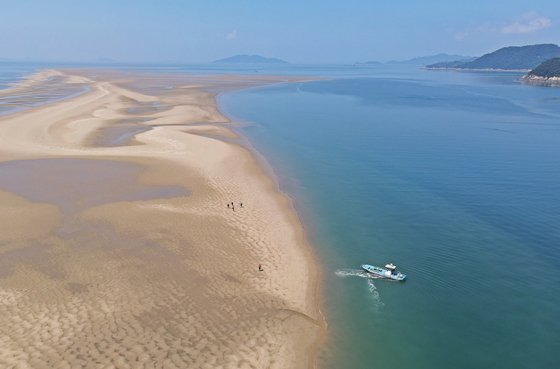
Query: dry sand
117, 249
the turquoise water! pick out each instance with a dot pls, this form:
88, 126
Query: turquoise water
454, 177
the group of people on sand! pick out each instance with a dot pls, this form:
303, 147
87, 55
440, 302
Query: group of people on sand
231, 206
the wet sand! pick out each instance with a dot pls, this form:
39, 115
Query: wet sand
118, 249
76, 184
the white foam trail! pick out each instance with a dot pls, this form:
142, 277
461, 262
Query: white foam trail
377, 303
343, 273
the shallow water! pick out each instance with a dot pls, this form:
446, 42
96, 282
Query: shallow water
77, 184
50, 90
452, 176
119, 133
146, 108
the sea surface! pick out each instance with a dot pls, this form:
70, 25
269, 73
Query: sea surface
12, 72
455, 178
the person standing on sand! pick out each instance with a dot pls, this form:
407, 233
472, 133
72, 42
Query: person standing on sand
260, 268
240, 204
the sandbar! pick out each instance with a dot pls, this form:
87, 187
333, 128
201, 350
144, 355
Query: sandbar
119, 249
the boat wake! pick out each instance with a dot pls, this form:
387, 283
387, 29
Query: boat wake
377, 303
373, 293
343, 273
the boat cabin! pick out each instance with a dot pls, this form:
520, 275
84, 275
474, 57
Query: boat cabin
392, 267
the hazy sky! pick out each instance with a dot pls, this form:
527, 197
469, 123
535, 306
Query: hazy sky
300, 31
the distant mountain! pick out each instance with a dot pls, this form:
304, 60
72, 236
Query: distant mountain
431, 59
369, 63
250, 59
546, 74
507, 58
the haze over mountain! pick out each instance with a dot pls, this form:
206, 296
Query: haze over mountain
507, 58
370, 62
250, 59
430, 59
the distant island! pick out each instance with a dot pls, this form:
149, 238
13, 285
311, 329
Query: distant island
431, 59
546, 74
507, 58
250, 59
370, 63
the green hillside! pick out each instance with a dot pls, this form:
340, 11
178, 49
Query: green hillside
550, 68
508, 58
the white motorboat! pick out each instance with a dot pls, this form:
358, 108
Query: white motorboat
390, 271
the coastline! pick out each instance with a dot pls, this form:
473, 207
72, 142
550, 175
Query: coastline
541, 81
477, 69
192, 292
312, 257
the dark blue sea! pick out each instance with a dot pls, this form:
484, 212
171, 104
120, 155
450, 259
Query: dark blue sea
455, 178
